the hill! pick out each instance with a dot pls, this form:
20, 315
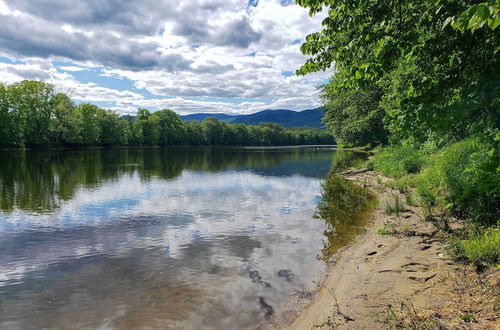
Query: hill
287, 118
201, 116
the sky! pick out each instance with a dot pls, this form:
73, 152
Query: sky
191, 56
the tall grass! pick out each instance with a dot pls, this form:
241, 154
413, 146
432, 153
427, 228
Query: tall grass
481, 246
467, 175
462, 178
396, 161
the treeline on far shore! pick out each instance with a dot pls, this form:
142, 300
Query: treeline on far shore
33, 114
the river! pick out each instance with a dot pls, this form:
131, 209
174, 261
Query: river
213, 238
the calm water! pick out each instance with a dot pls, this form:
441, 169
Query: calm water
160, 238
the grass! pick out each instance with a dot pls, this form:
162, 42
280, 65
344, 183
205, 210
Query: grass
389, 228
396, 161
427, 199
404, 183
394, 206
480, 247
409, 199
459, 180
407, 317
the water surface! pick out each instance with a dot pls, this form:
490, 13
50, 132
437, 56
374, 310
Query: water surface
161, 238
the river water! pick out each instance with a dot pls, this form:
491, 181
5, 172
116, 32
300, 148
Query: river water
185, 238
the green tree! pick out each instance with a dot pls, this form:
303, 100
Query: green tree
438, 82
171, 129
213, 130
90, 130
354, 116
66, 123
31, 105
9, 136
146, 128
194, 133
114, 130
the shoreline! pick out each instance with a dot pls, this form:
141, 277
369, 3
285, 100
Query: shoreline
65, 148
382, 280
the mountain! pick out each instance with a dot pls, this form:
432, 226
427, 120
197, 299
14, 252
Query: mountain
201, 116
287, 118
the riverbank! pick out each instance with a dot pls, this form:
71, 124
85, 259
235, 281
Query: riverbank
398, 274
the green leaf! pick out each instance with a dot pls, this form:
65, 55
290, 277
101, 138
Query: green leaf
483, 12
452, 60
448, 21
493, 23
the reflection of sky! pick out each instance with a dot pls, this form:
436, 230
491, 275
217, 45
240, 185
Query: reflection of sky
195, 222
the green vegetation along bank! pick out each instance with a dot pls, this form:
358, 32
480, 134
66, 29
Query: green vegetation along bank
421, 78
33, 114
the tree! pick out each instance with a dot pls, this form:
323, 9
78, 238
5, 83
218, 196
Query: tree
114, 130
66, 123
90, 131
213, 130
7, 126
171, 130
194, 133
146, 128
31, 105
438, 82
354, 116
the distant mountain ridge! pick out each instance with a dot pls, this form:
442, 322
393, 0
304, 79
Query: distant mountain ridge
287, 118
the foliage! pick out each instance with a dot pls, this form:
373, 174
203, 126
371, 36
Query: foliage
467, 175
33, 115
462, 178
432, 68
437, 82
475, 17
354, 116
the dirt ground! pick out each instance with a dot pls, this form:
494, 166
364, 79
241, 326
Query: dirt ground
401, 279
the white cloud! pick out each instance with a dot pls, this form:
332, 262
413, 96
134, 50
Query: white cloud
190, 56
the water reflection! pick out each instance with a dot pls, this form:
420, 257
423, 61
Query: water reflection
39, 180
345, 207
178, 238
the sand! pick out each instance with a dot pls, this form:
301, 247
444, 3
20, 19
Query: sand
407, 272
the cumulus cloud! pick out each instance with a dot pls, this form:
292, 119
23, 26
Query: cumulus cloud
191, 56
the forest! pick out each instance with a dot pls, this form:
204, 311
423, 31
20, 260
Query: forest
419, 81
34, 115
